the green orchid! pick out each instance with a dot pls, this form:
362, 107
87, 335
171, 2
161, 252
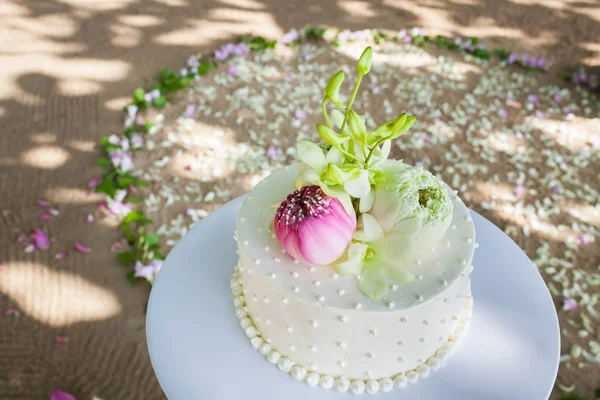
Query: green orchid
374, 257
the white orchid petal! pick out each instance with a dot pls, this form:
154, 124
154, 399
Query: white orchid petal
359, 187
373, 283
334, 156
349, 268
366, 203
307, 176
371, 229
312, 155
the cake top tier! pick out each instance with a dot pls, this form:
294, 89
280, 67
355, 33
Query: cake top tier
435, 267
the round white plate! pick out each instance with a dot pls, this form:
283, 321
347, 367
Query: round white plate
199, 351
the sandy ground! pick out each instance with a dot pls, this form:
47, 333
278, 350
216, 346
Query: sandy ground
66, 69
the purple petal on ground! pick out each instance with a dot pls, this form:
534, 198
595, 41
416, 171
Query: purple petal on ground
45, 217
512, 58
232, 70
92, 183
532, 98
12, 311
290, 36
556, 189
541, 62
583, 239
272, 152
519, 190
190, 110
567, 110
556, 97
60, 395
40, 239
569, 304
81, 248
137, 141
42, 203
301, 115
148, 97
540, 114
502, 113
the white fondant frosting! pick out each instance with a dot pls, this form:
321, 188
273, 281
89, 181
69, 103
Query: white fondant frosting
322, 319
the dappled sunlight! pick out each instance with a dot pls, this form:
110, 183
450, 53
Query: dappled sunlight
508, 206
43, 138
44, 157
67, 195
56, 298
140, 20
576, 134
86, 146
125, 36
585, 213
99, 5
358, 9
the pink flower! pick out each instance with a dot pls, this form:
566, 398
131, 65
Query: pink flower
40, 240
81, 248
313, 227
149, 271
60, 395
519, 190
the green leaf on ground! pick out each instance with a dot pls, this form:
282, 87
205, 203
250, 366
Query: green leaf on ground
126, 257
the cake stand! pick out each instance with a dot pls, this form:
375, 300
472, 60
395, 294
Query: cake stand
198, 350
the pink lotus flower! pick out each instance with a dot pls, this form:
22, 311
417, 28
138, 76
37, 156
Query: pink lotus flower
313, 227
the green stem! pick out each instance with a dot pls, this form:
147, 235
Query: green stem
324, 108
349, 106
344, 152
374, 147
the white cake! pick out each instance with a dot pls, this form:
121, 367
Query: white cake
318, 326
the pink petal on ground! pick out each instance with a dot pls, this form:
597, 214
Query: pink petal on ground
60, 395
12, 311
42, 203
45, 217
102, 205
62, 255
81, 248
21, 238
519, 190
188, 167
132, 189
62, 339
90, 219
569, 304
40, 239
30, 248
301, 115
116, 246
92, 183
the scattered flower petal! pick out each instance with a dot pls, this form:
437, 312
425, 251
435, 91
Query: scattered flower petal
12, 311
519, 190
45, 217
60, 395
90, 219
569, 304
40, 239
61, 256
81, 248
301, 115
61, 339
43, 203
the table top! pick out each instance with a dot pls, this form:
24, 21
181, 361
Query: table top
198, 350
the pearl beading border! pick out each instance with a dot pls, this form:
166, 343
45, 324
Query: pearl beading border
341, 384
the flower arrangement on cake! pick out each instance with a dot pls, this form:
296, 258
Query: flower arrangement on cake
353, 208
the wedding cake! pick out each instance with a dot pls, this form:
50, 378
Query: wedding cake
353, 269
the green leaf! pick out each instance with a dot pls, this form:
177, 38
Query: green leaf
365, 60
148, 125
131, 278
107, 186
409, 122
126, 257
259, 43
373, 283
335, 43
206, 66
138, 95
151, 239
134, 216
104, 162
474, 40
482, 53
160, 101
329, 136
332, 90
597, 393
165, 73
184, 81
312, 155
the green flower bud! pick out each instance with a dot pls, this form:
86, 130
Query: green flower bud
364, 62
357, 127
332, 90
330, 136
